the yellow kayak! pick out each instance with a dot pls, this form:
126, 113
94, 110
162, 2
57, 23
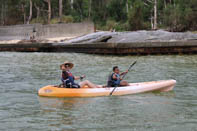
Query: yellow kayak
133, 88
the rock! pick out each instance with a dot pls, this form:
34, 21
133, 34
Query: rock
92, 38
132, 37
151, 36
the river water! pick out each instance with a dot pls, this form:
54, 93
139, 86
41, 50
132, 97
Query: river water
22, 74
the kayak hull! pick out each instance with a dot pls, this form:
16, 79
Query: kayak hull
133, 88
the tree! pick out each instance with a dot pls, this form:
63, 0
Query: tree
173, 17
90, 9
136, 18
2, 12
155, 15
60, 10
117, 10
30, 11
99, 10
71, 4
49, 10
37, 10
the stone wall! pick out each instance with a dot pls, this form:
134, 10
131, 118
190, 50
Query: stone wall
19, 32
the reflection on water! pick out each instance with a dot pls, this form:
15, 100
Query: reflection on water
22, 74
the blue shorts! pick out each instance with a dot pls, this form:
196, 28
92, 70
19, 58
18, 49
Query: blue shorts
116, 83
69, 84
74, 86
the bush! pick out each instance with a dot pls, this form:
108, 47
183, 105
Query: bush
67, 19
111, 24
54, 21
122, 27
179, 19
38, 20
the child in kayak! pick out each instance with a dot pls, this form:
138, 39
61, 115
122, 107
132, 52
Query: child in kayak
115, 79
68, 78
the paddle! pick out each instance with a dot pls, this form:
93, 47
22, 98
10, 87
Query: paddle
124, 76
82, 77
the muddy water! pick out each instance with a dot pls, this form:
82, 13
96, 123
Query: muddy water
22, 74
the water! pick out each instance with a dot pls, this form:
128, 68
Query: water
22, 74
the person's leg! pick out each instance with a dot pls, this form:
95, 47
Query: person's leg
89, 84
63, 84
124, 83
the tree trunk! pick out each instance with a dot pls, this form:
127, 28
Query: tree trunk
5, 10
71, 4
30, 12
24, 13
127, 6
151, 21
49, 10
60, 10
165, 3
155, 15
2, 13
38, 11
90, 9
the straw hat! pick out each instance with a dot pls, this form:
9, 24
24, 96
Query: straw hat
67, 63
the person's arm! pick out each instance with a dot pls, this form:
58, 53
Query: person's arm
114, 77
79, 77
124, 72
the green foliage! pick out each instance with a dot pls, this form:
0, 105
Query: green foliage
99, 11
121, 15
178, 18
38, 20
67, 19
111, 24
172, 16
117, 10
55, 21
136, 17
122, 27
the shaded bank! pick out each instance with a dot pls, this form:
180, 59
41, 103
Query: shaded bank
108, 48
118, 43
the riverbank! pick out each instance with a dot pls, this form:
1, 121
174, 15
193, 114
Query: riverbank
118, 43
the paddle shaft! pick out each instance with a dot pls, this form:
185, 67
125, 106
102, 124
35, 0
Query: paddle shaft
129, 69
124, 76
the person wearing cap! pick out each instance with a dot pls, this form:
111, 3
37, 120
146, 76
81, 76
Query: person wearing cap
68, 78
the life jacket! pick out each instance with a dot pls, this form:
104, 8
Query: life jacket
113, 82
69, 73
68, 82
64, 75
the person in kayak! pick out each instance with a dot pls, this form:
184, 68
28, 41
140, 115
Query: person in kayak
115, 79
68, 78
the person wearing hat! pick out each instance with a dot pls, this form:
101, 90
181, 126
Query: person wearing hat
68, 78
